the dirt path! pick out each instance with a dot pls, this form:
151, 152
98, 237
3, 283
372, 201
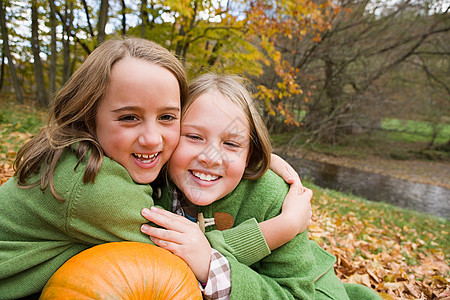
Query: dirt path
430, 172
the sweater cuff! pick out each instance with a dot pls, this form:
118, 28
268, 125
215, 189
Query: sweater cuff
247, 242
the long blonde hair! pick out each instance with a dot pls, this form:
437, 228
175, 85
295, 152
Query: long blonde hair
235, 89
71, 118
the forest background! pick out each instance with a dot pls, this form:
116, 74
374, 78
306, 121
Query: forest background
346, 78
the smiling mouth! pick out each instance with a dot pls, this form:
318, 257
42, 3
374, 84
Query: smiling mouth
145, 158
205, 177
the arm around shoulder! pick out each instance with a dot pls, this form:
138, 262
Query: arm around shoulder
110, 208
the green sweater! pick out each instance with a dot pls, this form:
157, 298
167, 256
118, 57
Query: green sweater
38, 233
300, 269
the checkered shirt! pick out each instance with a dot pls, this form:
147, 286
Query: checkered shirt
219, 277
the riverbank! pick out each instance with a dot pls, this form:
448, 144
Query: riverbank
429, 172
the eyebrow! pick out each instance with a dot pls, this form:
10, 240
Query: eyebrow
229, 134
160, 109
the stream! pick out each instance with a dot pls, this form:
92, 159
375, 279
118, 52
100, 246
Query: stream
420, 197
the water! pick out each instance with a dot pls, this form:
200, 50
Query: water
410, 195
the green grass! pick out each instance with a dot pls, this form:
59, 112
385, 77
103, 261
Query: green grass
21, 118
17, 123
399, 140
281, 139
415, 131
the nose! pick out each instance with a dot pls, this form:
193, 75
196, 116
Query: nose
212, 156
150, 136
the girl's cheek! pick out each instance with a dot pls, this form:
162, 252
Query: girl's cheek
173, 136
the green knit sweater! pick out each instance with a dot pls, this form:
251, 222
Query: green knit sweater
38, 233
300, 269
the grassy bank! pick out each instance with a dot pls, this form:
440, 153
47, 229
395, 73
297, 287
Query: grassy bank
17, 124
408, 130
396, 139
399, 253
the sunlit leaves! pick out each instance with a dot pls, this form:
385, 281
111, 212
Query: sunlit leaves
242, 37
278, 22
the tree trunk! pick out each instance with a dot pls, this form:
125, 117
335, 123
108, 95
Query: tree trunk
102, 19
53, 55
124, 18
41, 92
144, 18
67, 20
88, 18
12, 68
2, 72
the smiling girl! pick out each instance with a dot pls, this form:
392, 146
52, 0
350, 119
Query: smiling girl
219, 173
83, 179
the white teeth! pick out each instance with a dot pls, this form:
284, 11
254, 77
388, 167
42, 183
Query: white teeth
203, 176
145, 158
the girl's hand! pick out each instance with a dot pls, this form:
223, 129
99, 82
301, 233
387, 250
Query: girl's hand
181, 237
295, 214
294, 218
296, 209
285, 171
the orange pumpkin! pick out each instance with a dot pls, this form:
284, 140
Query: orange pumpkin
123, 270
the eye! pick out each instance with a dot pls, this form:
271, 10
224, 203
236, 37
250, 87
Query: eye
232, 144
128, 118
168, 117
193, 137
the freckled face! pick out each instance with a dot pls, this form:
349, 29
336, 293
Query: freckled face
138, 120
211, 156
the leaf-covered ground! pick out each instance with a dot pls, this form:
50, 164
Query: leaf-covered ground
399, 253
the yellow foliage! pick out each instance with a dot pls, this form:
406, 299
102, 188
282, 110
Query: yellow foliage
212, 36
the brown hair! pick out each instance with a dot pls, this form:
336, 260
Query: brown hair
235, 88
72, 114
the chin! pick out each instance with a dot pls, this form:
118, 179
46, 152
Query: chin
144, 180
197, 198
